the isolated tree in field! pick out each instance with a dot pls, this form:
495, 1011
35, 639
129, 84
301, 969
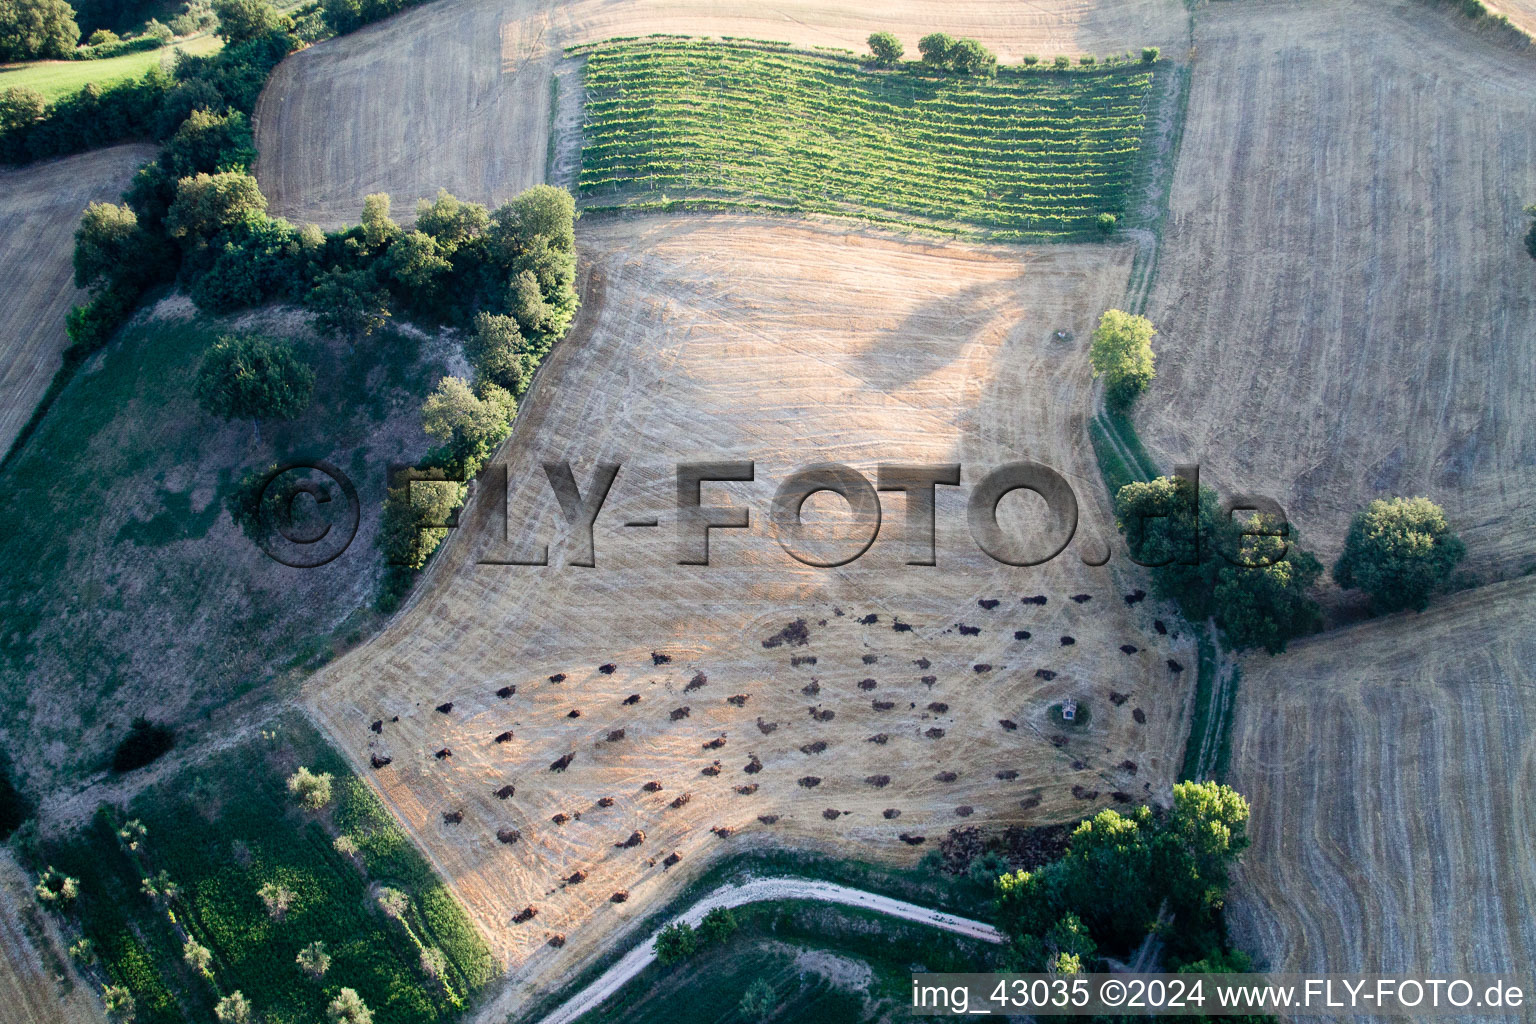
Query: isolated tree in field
277, 897
348, 1008
1121, 353
495, 349
20, 108
33, 29
197, 956
313, 960
1399, 551
240, 20
886, 48
935, 48
118, 1002
207, 204
677, 941
312, 790
348, 303
1266, 600
757, 1002
249, 377
1149, 54
233, 1009
969, 57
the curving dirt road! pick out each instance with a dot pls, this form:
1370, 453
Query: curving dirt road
759, 891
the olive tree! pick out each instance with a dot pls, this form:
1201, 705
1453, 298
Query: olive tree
886, 48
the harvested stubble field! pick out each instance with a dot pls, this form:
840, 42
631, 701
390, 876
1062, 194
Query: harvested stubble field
456, 94
714, 338
38, 984
40, 208
1345, 306
680, 122
1390, 768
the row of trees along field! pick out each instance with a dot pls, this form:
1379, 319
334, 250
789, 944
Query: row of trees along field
1254, 579
95, 29
950, 141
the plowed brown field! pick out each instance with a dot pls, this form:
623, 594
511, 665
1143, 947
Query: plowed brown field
1392, 774
32, 992
40, 208
1345, 306
725, 338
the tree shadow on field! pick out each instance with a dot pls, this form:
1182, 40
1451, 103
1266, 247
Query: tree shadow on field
929, 338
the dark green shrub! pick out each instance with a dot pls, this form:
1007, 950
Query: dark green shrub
1149, 54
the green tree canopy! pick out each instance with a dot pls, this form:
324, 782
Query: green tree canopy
378, 229
718, 925
34, 29
886, 48
451, 222
240, 20
969, 57
348, 1008
1399, 551
415, 516
1121, 353
207, 204
348, 302
470, 421
1178, 535
1266, 600
20, 107
935, 47
108, 237
247, 376
497, 352
675, 942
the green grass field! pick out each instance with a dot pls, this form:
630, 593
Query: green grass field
221, 831
693, 124
55, 79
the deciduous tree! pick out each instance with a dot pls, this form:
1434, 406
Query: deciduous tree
1399, 551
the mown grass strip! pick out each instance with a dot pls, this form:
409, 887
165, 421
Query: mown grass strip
682, 124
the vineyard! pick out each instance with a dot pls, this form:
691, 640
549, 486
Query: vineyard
218, 837
687, 124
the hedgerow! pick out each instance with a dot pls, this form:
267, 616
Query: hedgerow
1031, 153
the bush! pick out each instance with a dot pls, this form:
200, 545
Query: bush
886, 48
144, 744
1105, 222
1087, 61
33, 29
1062, 62
935, 47
1399, 551
675, 942
1121, 352
757, 1001
101, 37
348, 1008
718, 925
241, 20
969, 57
252, 377
1030, 60
1530, 234
1149, 54
311, 790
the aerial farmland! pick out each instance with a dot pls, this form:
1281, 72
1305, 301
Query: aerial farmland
605, 512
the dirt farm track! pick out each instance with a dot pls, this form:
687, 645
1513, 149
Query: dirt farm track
40, 208
905, 702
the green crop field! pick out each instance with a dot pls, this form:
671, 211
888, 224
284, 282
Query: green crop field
673, 123
55, 79
219, 833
